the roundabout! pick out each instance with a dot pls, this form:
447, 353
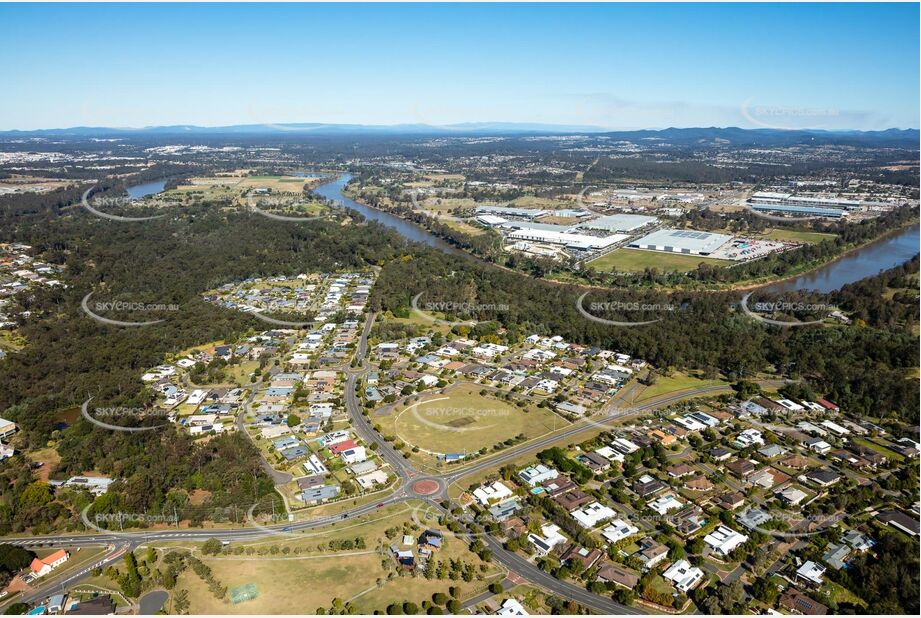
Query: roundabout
427, 487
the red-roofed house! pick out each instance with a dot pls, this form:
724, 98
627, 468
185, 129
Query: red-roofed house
342, 446
43, 566
828, 405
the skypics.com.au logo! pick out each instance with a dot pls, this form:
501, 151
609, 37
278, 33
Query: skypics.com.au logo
457, 308
138, 414
756, 309
109, 201
620, 308
124, 306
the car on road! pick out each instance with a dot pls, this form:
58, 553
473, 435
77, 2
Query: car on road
380, 505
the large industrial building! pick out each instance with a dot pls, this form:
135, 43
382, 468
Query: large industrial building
690, 242
811, 211
618, 223
771, 201
580, 242
508, 211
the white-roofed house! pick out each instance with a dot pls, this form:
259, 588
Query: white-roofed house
724, 540
593, 514
618, 530
683, 576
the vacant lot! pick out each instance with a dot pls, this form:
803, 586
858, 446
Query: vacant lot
278, 184
638, 260
797, 236
213, 186
308, 577
463, 420
677, 381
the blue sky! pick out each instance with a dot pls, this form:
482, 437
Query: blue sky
615, 66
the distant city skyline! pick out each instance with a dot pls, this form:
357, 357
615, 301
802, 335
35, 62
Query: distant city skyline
619, 67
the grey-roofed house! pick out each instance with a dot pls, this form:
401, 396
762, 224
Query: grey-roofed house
771, 451
505, 510
858, 540
320, 493
754, 518
836, 555
899, 520
294, 452
311, 481
824, 477
286, 442
363, 467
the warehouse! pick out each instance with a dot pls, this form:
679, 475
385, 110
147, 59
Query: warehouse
542, 227
618, 223
508, 211
490, 220
788, 199
580, 242
834, 213
682, 241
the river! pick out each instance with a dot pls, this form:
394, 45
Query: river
410, 231
859, 264
136, 192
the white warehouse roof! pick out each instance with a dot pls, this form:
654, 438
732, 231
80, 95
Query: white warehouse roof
579, 241
618, 223
682, 241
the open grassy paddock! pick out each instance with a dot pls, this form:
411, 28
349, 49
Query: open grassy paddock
463, 420
302, 574
797, 236
638, 260
677, 381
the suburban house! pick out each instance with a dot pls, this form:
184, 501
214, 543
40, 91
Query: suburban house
798, 603
616, 574
683, 575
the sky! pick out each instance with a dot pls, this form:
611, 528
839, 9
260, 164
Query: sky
620, 66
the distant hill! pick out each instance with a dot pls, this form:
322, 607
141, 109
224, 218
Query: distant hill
905, 138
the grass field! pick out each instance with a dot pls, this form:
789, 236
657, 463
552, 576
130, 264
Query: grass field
462, 419
301, 581
797, 236
677, 382
638, 260
464, 228
879, 448
532, 201
216, 185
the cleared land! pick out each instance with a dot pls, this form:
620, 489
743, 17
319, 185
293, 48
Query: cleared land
797, 236
463, 420
638, 260
677, 382
215, 185
307, 577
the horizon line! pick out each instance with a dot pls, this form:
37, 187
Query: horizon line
307, 126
